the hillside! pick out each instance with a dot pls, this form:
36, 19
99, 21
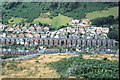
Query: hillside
32, 10
56, 15
103, 13
56, 22
54, 66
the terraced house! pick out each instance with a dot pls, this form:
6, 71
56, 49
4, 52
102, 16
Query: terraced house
82, 33
58, 41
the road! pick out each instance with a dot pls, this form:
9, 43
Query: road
47, 52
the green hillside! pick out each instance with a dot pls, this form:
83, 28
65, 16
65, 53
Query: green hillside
103, 13
60, 13
56, 22
32, 10
16, 20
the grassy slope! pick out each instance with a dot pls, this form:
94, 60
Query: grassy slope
16, 20
38, 67
63, 20
55, 22
103, 13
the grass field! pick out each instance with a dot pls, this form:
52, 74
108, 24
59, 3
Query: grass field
103, 13
16, 20
56, 22
39, 67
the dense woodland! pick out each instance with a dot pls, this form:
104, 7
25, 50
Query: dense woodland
75, 10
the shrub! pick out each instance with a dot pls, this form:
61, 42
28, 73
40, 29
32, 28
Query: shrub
87, 68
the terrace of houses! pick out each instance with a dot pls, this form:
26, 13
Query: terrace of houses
77, 35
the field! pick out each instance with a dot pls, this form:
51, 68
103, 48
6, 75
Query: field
33, 68
103, 13
56, 22
58, 65
16, 20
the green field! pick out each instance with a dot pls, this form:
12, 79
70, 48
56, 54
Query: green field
103, 13
15, 20
56, 22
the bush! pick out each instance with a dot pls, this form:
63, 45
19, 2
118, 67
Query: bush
37, 61
12, 66
105, 59
7, 56
103, 20
87, 68
114, 34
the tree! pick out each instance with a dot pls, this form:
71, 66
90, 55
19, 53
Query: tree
114, 34
103, 20
32, 10
54, 5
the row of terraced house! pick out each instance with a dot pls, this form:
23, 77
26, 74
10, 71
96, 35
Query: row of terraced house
80, 26
58, 41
